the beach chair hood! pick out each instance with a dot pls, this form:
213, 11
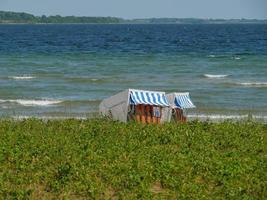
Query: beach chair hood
180, 100
148, 98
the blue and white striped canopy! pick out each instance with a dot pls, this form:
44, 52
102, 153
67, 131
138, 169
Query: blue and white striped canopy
148, 98
183, 101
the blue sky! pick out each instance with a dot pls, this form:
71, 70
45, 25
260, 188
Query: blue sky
142, 8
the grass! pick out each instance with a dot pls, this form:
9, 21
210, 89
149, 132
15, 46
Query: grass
100, 159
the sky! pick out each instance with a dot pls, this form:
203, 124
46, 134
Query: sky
129, 9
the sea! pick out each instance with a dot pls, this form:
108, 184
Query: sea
64, 71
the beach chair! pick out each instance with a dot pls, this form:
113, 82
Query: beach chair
179, 102
136, 105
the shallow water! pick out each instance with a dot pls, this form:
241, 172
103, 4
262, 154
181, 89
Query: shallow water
66, 70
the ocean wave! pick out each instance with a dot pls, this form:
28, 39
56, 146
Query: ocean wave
237, 58
5, 107
224, 56
32, 102
213, 117
215, 75
22, 117
211, 56
253, 84
84, 79
216, 117
21, 77
45, 102
218, 56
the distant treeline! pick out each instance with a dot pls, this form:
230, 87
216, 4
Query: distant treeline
21, 17
196, 21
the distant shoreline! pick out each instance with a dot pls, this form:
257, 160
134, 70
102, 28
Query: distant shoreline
15, 23
7, 17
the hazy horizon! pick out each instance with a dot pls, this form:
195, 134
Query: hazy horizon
137, 18
206, 9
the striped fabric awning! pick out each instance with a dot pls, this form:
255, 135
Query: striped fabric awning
148, 98
182, 100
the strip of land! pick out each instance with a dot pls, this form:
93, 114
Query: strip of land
7, 17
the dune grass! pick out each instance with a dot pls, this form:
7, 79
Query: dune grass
101, 159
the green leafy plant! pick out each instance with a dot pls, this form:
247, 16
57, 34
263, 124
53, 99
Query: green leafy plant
102, 159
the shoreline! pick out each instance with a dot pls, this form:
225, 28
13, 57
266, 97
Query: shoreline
190, 117
140, 23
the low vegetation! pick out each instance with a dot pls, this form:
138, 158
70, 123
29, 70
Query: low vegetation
100, 159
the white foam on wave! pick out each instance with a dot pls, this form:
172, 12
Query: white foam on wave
260, 117
237, 58
37, 102
215, 75
32, 102
212, 117
21, 77
216, 117
22, 117
5, 107
253, 84
211, 56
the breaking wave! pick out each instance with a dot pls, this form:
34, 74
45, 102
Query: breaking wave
32, 102
211, 56
215, 75
21, 77
219, 117
253, 84
22, 117
203, 116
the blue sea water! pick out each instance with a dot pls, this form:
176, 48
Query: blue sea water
66, 70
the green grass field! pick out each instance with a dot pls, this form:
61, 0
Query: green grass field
100, 159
